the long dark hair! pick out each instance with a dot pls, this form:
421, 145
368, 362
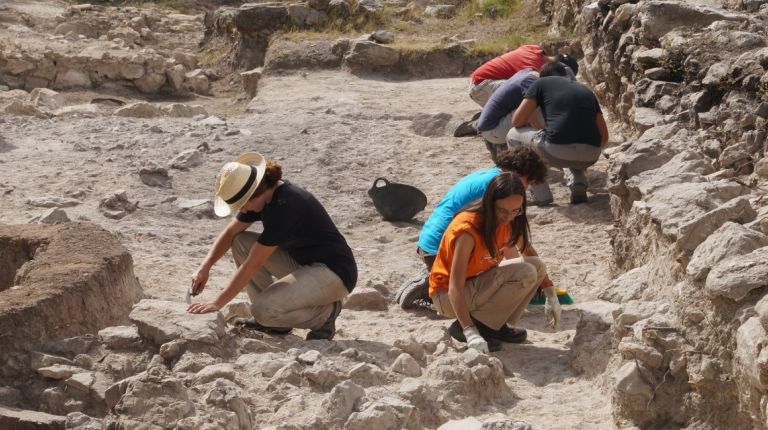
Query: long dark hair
503, 185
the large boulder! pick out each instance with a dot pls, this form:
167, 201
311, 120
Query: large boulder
364, 56
735, 277
161, 321
729, 241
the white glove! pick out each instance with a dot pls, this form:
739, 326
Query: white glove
552, 307
474, 340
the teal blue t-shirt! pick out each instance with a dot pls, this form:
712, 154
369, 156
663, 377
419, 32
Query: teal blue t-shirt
467, 190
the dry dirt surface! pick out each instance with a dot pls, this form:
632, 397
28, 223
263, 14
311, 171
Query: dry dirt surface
333, 134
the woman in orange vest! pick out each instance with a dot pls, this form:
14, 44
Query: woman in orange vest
477, 276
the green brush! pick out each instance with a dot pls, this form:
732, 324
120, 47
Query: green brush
562, 296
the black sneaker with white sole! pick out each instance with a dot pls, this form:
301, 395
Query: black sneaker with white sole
414, 293
252, 324
328, 330
457, 333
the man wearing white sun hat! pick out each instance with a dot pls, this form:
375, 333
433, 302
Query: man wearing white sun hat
297, 270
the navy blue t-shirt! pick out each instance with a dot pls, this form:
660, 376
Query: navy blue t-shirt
505, 99
296, 222
569, 108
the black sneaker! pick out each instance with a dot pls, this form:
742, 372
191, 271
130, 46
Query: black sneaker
252, 324
466, 128
414, 293
328, 329
457, 333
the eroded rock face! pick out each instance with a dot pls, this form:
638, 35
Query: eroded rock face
681, 78
91, 277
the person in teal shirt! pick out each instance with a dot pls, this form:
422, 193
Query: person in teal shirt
522, 160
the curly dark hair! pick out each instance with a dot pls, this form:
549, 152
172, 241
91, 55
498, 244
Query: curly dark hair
272, 174
524, 161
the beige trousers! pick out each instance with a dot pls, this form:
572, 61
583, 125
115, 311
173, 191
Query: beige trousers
481, 92
284, 293
500, 294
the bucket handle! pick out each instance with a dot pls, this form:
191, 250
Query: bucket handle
375, 183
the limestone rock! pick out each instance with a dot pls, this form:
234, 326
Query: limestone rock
406, 365
630, 384
81, 382
227, 395
127, 34
12, 418
339, 8
117, 205
154, 398
734, 278
411, 346
650, 57
186, 160
132, 71
628, 286
365, 298
120, 337
52, 216
761, 168
170, 351
729, 241
367, 7
215, 371
139, 110
383, 37
442, 11
175, 77
150, 83
305, 16
162, 321
80, 421
365, 55
197, 82
309, 357
48, 99
52, 202
21, 108
412, 388
367, 374
250, 81
386, 413
323, 374
72, 79
155, 176
648, 355
58, 371
180, 110
290, 373
751, 361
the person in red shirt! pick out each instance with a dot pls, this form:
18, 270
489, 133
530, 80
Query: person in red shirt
488, 77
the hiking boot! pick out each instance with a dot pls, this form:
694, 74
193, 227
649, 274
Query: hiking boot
414, 293
510, 334
328, 330
252, 324
466, 128
457, 333
578, 193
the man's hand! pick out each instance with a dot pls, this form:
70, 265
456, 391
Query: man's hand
199, 279
475, 341
552, 307
203, 308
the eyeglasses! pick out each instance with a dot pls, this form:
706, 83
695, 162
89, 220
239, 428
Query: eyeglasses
501, 212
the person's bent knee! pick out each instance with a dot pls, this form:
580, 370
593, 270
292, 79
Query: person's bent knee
266, 313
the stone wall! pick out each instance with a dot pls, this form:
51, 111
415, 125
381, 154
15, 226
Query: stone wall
688, 193
65, 280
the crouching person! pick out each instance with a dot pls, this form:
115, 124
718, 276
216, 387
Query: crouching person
478, 276
296, 271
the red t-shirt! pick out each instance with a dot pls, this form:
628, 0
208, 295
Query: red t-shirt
504, 66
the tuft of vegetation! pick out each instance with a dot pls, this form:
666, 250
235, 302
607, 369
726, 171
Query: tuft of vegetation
490, 8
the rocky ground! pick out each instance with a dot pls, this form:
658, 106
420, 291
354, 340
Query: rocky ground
334, 134
144, 170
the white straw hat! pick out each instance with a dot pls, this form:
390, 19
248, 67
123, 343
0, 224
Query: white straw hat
237, 181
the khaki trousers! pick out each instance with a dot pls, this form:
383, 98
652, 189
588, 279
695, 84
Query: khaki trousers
500, 294
284, 293
480, 93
